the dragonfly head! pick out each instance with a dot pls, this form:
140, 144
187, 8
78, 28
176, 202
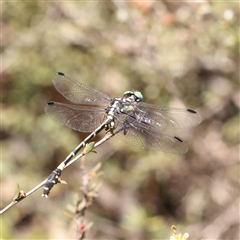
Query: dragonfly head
129, 96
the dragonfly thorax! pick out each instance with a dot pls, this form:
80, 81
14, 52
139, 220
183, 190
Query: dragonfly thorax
118, 106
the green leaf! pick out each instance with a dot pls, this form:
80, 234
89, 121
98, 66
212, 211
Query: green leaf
89, 226
89, 147
97, 167
82, 205
20, 194
62, 181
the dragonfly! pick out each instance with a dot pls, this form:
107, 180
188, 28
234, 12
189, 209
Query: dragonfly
137, 123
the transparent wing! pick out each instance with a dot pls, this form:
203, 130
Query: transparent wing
164, 117
145, 136
76, 92
80, 118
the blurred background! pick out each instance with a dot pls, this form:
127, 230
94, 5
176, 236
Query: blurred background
178, 54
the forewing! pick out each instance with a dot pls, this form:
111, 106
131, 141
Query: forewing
77, 92
80, 118
165, 117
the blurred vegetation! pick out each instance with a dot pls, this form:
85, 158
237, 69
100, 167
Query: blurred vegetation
177, 54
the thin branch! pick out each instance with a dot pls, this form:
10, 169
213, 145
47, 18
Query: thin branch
22, 195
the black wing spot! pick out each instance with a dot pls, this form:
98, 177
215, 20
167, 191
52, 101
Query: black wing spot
179, 139
50, 103
61, 74
191, 110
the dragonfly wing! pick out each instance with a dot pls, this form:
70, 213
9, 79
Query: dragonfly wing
80, 118
77, 92
165, 117
144, 136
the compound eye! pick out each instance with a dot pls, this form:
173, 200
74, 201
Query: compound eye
128, 93
138, 96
